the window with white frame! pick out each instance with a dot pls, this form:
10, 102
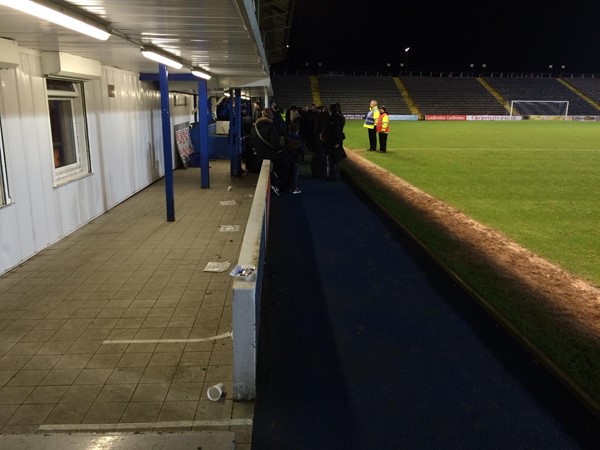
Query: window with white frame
70, 148
4, 198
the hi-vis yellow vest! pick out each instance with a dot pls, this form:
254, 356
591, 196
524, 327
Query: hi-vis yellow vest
372, 117
383, 123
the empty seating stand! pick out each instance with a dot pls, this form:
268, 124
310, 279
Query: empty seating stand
588, 86
447, 95
435, 95
525, 88
355, 93
291, 90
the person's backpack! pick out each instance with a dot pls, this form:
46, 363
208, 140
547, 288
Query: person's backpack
251, 159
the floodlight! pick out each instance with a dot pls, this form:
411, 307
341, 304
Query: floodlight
162, 59
65, 19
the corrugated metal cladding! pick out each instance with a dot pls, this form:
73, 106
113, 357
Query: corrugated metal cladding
125, 148
123, 114
220, 35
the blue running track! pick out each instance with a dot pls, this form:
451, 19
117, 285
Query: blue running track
364, 343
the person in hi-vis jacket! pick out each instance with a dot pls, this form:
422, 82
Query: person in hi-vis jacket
370, 121
383, 128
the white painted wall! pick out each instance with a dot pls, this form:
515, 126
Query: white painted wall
126, 151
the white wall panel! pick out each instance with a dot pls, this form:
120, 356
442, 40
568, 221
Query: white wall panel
25, 121
9, 245
125, 139
10, 232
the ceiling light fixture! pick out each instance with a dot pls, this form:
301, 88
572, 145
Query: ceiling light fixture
81, 25
150, 54
201, 74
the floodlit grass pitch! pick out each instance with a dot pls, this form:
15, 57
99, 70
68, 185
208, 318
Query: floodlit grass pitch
537, 182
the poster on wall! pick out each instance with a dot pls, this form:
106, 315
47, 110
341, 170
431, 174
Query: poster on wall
184, 143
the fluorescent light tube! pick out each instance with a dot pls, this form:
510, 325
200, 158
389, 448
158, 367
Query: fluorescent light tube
200, 74
162, 59
54, 16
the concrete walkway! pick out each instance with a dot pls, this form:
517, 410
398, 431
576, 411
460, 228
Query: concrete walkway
118, 329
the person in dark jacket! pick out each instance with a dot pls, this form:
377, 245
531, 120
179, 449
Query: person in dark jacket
308, 128
292, 115
256, 111
279, 123
319, 129
267, 144
247, 121
304, 125
334, 140
296, 150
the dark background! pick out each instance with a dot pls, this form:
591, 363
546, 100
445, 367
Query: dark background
506, 36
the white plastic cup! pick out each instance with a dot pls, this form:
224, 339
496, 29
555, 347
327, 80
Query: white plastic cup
215, 392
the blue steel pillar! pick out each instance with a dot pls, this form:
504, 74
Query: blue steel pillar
167, 149
229, 103
203, 124
235, 132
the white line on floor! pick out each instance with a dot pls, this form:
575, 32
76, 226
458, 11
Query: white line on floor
145, 425
168, 341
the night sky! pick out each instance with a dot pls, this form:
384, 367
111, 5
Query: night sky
506, 36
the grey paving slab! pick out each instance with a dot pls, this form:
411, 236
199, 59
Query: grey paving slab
214, 440
83, 324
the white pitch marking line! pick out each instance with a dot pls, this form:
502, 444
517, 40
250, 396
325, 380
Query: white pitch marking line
145, 425
168, 341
